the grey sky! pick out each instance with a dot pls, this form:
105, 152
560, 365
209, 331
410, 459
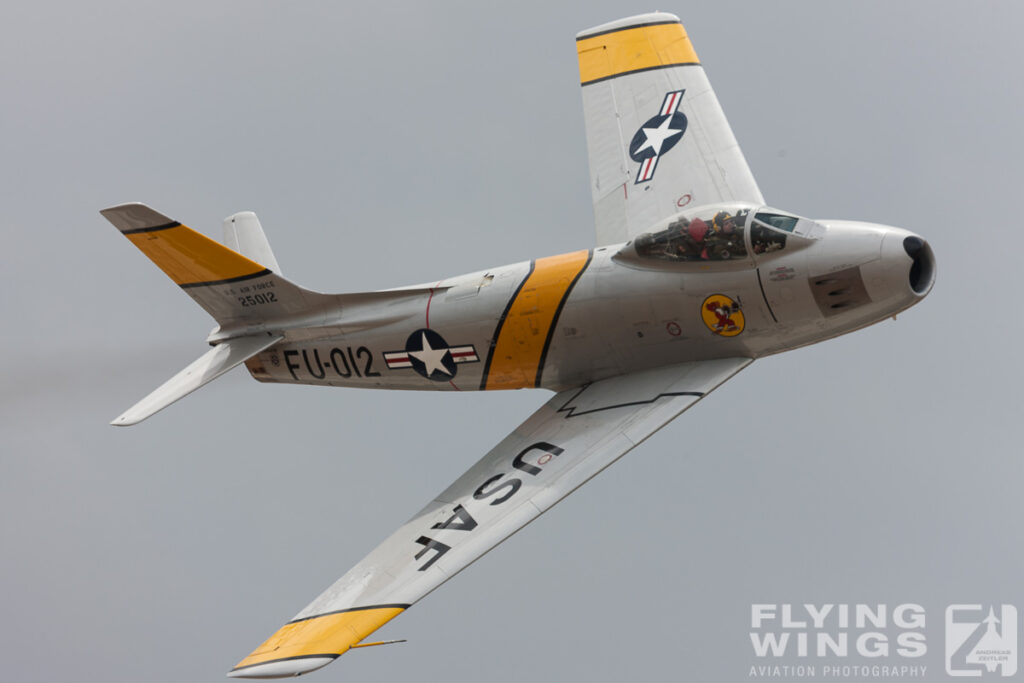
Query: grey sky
405, 143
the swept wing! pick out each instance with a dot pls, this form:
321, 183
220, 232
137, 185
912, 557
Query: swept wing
657, 138
570, 439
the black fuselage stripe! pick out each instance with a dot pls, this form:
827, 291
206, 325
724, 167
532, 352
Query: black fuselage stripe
155, 228
265, 271
625, 28
396, 605
637, 71
501, 323
765, 296
554, 320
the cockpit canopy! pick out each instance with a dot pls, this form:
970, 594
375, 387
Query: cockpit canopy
721, 234
718, 237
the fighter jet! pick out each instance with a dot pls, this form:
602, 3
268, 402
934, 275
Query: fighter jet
691, 279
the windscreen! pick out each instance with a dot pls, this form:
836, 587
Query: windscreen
769, 232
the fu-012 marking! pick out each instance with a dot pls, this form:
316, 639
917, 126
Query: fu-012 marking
345, 363
462, 520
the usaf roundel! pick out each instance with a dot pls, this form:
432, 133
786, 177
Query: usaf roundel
431, 356
658, 136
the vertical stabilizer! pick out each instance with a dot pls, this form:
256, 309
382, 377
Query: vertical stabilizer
244, 234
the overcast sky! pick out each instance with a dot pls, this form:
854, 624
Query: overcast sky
882, 467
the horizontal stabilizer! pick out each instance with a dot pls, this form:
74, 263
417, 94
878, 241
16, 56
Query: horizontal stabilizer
245, 292
235, 290
206, 368
187, 257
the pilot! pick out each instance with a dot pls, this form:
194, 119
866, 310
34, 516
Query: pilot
722, 241
679, 246
723, 222
698, 233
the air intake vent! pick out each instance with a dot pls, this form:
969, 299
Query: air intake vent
922, 271
837, 293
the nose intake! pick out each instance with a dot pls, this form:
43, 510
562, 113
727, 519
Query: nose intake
922, 270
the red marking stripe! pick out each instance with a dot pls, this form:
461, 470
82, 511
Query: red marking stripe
645, 170
429, 299
671, 103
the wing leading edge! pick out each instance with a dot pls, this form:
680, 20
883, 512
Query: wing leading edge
569, 440
657, 138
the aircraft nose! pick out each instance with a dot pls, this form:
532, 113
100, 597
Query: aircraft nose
905, 272
908, 262
902, 272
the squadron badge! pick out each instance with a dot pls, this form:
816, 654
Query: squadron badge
658, 136
429, 354
722, 315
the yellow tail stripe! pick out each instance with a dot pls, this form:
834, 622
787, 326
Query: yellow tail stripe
329, 635
190, 258
633, 49
524, 334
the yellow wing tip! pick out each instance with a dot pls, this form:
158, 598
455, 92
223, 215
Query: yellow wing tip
304, 643
284, 668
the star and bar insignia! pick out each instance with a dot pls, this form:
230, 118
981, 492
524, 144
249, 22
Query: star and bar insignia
431, 356
658, 136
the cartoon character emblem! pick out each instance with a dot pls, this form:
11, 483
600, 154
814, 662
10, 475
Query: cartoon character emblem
658, 136
722, 315
431, 356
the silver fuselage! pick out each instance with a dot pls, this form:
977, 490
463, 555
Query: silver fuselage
567, 321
